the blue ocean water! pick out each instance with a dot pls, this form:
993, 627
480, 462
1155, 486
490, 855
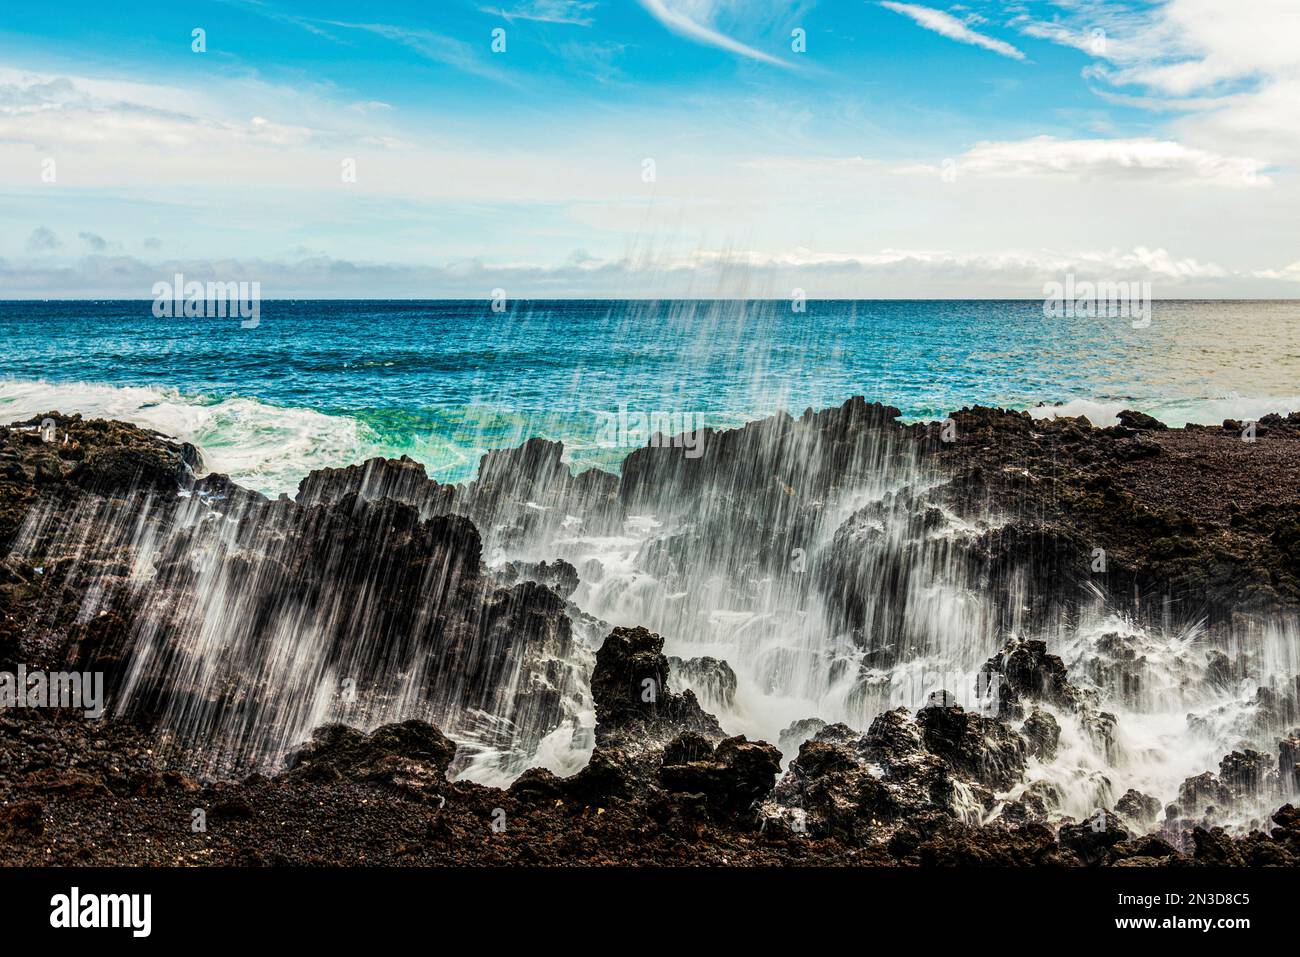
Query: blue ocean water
329, 382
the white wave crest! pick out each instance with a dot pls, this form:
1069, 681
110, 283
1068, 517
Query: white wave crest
266, 447
1174, 413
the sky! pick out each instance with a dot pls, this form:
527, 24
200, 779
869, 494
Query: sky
650, 148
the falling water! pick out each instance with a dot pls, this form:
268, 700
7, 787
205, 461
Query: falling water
800, 568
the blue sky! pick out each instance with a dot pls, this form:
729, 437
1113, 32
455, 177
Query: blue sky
907, 150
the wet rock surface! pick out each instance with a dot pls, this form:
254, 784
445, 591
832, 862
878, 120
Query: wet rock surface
394, 592
712, 679
1178, 512
1042, 734
412, 756
1170, 507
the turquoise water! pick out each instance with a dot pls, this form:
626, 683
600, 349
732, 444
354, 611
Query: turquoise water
327, 382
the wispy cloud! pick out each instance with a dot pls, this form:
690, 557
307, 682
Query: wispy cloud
949, 26
55, 112
433, 46
683, 25
574, 12
596, 60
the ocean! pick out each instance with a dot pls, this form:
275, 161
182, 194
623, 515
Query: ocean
322, 383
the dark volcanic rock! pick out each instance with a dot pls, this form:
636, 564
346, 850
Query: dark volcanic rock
1288, 762
377, 570
401, 480
1043, 734
559, 575
633, 702
20, 820
826, 792
711, 678
865, 788
1138, 807
731, 778
1198, 794
1215, 847
974, 746
1247, 774
688, 747
411, 754
1037, 802
1139, 420
1146, 850
792, 737
1093, 839
359, 583
524, 490
537, 786
1024, 671
764, 459
640, 724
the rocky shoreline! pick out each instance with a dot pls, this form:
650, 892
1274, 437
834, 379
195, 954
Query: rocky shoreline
114, 548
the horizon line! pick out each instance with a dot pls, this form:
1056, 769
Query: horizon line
647, 299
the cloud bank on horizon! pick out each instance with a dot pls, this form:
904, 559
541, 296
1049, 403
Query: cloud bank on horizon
664, 148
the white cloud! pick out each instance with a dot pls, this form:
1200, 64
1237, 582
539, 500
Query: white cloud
885, 273
1190, 45
1153, 159
1232, 68
668, 13
50, 112
1019, 265
1289, 273
949, 26
1141, 158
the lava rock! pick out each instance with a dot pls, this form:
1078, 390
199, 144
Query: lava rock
712, 680
1139, 421
731, 778
1138, 807
537, 786
982, 748
688, 747
559, 575
630, 688
1288, 762
1204, 791
21, 820
1092, 840
793, 736
1246, 774
1028, 673
1043, 734
399, 754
